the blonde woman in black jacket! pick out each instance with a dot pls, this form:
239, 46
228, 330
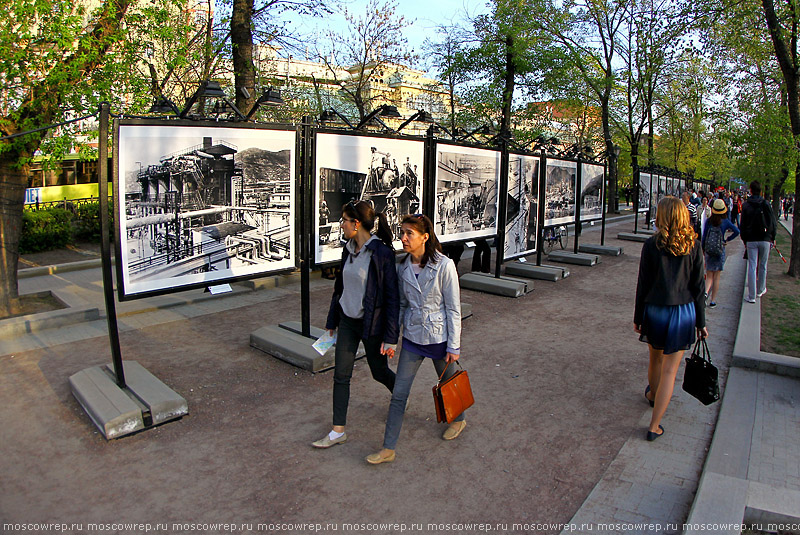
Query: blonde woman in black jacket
670, 302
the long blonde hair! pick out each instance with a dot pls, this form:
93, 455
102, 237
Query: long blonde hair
675, 232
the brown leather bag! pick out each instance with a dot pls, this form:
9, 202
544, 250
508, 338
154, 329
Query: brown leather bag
453, 396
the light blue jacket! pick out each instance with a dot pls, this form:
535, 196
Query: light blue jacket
430, 306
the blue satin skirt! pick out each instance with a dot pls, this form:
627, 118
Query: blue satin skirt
669, 328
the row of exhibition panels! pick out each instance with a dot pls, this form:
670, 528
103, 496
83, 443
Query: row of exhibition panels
654, 187
202, 204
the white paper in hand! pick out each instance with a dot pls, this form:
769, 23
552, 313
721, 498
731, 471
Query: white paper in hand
324, 342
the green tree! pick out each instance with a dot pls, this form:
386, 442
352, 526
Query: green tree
50, 60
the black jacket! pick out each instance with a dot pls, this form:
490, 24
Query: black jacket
754, 227
381, 297
665, 279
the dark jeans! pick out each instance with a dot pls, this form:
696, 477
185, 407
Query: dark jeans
347, 339
482, 257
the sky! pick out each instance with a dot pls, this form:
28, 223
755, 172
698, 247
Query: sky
426, 15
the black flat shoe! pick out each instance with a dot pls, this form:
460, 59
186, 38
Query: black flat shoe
650, 401
652, 436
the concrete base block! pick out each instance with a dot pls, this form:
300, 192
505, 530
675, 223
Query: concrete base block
564, 270
163, 404
771, 505
531, 271
466, 310
720, 501
592, 248
291, 347
505, 286
631, 236
297, 328
108, 406
578, 259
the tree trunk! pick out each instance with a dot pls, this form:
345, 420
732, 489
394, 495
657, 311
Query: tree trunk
244, 70
12, 197
794, 263
508, 92
789, 68
613, 167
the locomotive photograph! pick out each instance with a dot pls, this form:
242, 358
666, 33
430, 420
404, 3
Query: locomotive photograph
466, 192
202, 205
385, 172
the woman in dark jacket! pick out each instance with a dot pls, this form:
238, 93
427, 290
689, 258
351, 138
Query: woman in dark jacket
670, 302
364, 307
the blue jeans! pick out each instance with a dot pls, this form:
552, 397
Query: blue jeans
757, 256
406, 371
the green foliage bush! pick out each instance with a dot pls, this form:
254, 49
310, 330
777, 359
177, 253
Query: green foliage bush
86, 225
44, 230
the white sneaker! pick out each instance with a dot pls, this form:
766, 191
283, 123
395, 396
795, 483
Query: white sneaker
762, 293
749, 300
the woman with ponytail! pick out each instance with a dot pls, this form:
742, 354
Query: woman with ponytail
364, 307
430, 309
670, 302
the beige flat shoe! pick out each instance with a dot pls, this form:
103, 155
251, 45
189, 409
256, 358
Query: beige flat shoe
377, 458
454, 430
326, 442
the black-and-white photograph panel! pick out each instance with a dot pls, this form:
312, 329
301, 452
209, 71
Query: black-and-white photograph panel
591, 199
467, 182
560, 192
201, 205
384, 171
681, 186
522, 208
644, 191
671, 189
662, 188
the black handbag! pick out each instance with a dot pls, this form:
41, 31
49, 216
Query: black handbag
700, 379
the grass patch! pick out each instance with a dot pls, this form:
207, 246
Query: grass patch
780, 307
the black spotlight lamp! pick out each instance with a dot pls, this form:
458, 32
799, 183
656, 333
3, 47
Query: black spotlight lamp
210, 89
384, 110
270, 97
331, 116
421, 116
164, 105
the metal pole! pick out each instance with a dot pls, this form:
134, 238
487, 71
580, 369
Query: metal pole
305, 228
603, 204
542, 200
637, 186
105, 247
502, 201
578, 179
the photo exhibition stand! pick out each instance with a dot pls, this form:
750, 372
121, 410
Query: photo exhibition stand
637, 235
495, 283
120, 398
292, 341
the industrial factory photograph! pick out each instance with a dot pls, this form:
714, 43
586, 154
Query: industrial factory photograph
201, 205
559, 192
522, 207
591, 199
466, 192
384, 171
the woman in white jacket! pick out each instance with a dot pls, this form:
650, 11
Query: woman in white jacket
430, 312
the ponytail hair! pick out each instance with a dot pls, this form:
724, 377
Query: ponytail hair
422, 224
365, 214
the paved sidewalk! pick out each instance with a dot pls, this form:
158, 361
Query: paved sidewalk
556, 436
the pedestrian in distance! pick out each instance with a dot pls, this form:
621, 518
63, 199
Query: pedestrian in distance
670, 305
758, 234
364, 308
714, 241
430, 311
